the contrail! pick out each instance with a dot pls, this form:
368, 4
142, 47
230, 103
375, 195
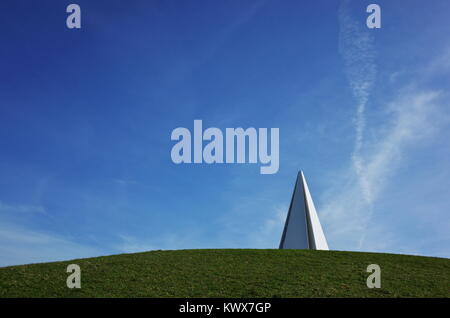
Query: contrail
414, 113
356, 48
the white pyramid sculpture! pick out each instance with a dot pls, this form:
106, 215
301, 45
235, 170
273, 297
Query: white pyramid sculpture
302, 229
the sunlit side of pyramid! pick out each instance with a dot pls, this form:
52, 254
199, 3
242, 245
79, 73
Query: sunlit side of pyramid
302, 229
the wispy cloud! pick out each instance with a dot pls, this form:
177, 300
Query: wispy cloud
357, 49
262, 231
167, 240
267, 234
21, 208
252, 221
125, 182
21, 245
412, 117
130, 244
415, 113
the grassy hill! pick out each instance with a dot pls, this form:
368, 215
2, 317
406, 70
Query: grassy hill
233, 273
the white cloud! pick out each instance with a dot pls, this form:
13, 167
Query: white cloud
165, 241
357, 49
130, 244
21, 208
413, 117
268, 232
19, 245
125, 182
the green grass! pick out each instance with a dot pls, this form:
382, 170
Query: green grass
233, 273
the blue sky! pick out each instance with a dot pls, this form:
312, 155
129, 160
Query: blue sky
86, 117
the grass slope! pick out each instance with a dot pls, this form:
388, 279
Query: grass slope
233, 273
